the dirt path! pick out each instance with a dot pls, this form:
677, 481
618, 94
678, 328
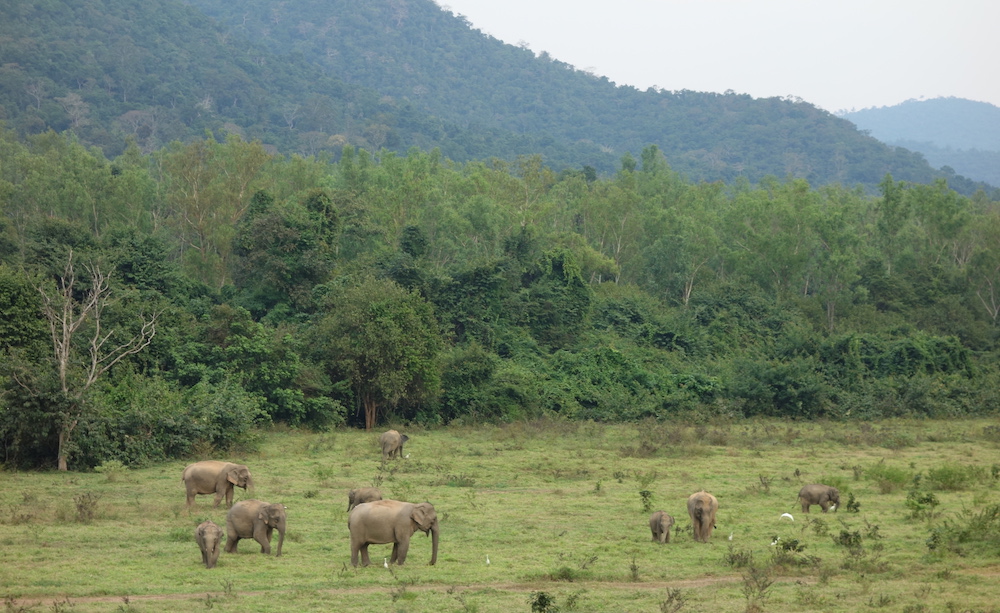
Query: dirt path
31, 601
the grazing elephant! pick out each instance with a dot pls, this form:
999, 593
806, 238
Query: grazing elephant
214, 477
817, 493
255, 519
209, 538
362, 494
392, 444
660, 524
391, 521
702, 508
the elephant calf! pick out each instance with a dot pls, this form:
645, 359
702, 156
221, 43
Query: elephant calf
362, 494
255, 519
817, 493
660, 524
209, 538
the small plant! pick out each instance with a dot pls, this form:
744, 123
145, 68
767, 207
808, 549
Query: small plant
738, 558
883, 600
922, 504
310, 493
597, 488
542, 602
765, 483
111, 469
757, 584
852, 506
86, 506
647, 500
227, 588
620, 476
634, 569
467, 607
674, 602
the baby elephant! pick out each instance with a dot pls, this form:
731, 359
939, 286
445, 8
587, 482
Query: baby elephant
209, 538
391, 442
659, 524
817, 493
362, 494
255, 519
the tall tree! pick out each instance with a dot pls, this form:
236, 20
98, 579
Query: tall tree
68, 317
384, 340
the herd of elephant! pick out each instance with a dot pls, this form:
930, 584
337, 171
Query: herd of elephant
374, 521
703, 506
371, 520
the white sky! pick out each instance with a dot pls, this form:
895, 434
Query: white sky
836, 54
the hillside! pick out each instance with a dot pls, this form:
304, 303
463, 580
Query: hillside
160, 71
418, 52
961, 134
309, 76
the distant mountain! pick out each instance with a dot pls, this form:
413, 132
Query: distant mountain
308, 76
963, 135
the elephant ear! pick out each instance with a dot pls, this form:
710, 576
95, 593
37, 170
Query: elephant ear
262, 514
421, 515
233, 476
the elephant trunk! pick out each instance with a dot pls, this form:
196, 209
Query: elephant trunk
249, 485
281, 538
434, 542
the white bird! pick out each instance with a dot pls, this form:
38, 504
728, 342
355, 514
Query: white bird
407, 456
788, 515
385, 562
487, 559
833, 507
730, 536
775, 541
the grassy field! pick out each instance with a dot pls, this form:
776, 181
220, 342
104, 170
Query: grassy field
561, 509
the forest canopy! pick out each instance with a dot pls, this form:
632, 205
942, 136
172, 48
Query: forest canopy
390, 288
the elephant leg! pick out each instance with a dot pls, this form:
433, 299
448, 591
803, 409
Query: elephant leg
263, 536
365, 561
400, 555
231, 541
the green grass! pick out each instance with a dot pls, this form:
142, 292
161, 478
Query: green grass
557, 508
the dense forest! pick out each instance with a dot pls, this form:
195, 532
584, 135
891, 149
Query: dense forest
309, 77
156, 304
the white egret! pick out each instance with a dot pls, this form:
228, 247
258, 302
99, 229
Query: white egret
788, 515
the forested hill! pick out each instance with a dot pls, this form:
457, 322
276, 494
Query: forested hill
415, 51
159, 71
961, 134
308, 76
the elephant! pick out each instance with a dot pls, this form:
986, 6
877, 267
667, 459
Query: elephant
823, 495
214, 477
660, 524
362, 494
391, 521
209, 536
702, 508
392, 444
255, 519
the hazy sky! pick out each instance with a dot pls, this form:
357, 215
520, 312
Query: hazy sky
836, 54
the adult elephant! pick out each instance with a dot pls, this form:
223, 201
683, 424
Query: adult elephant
208, 535
702, 508
392, 444
391, 521
824, 495
660, 524
215, 477
362, 494
255, 519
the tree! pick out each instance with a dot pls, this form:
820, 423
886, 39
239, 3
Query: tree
384, 340
68, 317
